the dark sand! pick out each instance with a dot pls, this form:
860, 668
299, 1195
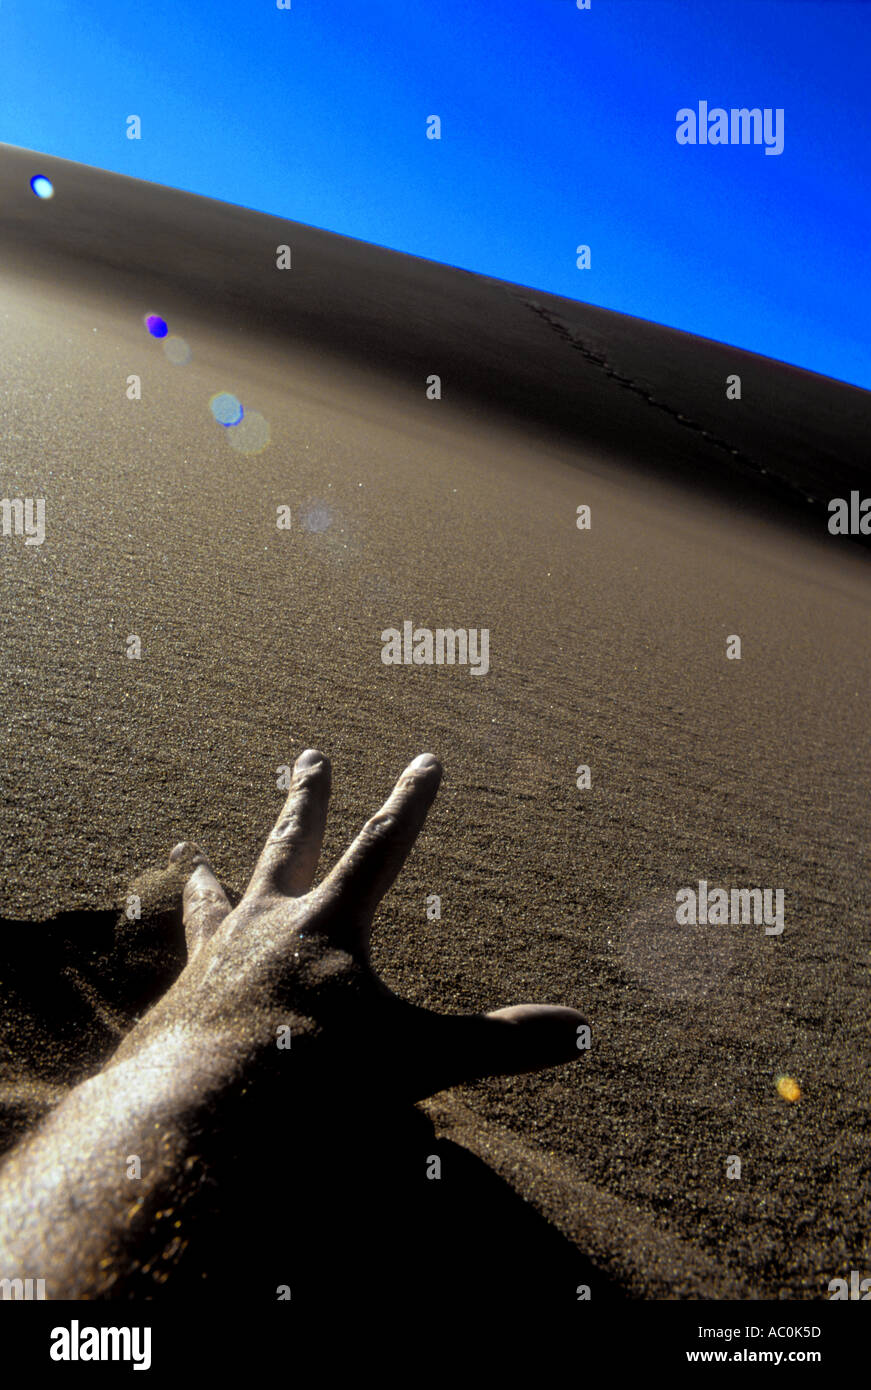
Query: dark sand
607, 648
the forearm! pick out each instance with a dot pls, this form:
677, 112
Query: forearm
114, 1184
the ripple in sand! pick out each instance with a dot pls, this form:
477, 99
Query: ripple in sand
42, 187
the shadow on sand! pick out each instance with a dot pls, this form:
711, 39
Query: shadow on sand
343, 1206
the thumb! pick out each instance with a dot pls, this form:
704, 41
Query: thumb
524, 1037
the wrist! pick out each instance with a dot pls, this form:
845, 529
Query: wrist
167, 1059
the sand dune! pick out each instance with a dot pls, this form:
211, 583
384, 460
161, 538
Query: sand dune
607, 649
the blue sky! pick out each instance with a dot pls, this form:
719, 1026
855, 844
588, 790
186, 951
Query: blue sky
558, 128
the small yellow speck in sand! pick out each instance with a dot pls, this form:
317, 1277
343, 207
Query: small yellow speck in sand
788, 1088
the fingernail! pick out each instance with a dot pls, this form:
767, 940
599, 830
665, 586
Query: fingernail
425, 760
309, 758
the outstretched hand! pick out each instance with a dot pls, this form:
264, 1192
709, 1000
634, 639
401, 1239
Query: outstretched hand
294, 956
206, 1144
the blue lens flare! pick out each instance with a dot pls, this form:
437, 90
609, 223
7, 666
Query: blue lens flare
156, 325
42, 187
226, 408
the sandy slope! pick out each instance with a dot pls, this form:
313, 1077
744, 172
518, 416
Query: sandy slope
607, 648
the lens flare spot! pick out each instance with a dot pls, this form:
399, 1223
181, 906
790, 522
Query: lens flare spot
226, 408
251, 436
156, 325
177, 350
42, 187
788, 1088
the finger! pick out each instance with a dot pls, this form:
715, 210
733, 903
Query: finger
205, 904
507, 1042
366, 870
290, 858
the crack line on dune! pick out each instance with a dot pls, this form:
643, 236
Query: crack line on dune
738, 456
